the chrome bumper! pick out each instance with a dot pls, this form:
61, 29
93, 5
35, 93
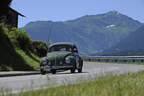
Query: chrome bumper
49, 68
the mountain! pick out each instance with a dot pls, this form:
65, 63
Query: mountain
131, 45
91, 33
133, 42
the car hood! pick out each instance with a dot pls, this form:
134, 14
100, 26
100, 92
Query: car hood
57, 55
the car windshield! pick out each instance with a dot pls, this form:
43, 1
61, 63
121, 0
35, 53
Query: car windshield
60, 48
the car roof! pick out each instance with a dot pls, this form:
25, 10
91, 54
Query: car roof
63, 44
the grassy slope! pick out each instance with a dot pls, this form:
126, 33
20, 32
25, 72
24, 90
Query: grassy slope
32, 61
13, 59
17, 60
119, 85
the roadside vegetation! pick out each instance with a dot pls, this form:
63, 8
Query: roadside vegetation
131, 84
17, 50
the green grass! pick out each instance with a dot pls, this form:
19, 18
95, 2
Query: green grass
12, 57
18, 60
119, 85
31, 59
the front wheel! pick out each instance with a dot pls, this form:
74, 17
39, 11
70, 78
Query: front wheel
73, 69
53, 71
81, 65
80, 70
43, 72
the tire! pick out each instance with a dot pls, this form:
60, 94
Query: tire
81, 65
74, 67
43, 72
73, 70
80, 70
53, 71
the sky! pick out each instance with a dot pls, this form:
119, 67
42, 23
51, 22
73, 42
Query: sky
63, 10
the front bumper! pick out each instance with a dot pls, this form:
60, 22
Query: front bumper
61, 67
49, 68
45, 68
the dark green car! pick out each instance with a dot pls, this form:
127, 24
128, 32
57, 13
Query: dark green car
61, 56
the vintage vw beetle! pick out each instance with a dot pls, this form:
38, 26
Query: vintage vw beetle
61, 56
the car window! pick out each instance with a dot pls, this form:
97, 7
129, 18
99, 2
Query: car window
61, 48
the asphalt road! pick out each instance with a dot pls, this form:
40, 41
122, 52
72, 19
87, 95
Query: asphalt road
90, 71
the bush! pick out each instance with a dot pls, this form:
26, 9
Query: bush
10, 58
40, 48
20, 39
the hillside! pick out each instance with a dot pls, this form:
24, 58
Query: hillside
134, 41
131, 45
91, 33
12, 57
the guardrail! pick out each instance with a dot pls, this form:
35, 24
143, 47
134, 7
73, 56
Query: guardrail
114, 58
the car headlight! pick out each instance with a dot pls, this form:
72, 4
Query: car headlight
49, 63
44, 62
67, 60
